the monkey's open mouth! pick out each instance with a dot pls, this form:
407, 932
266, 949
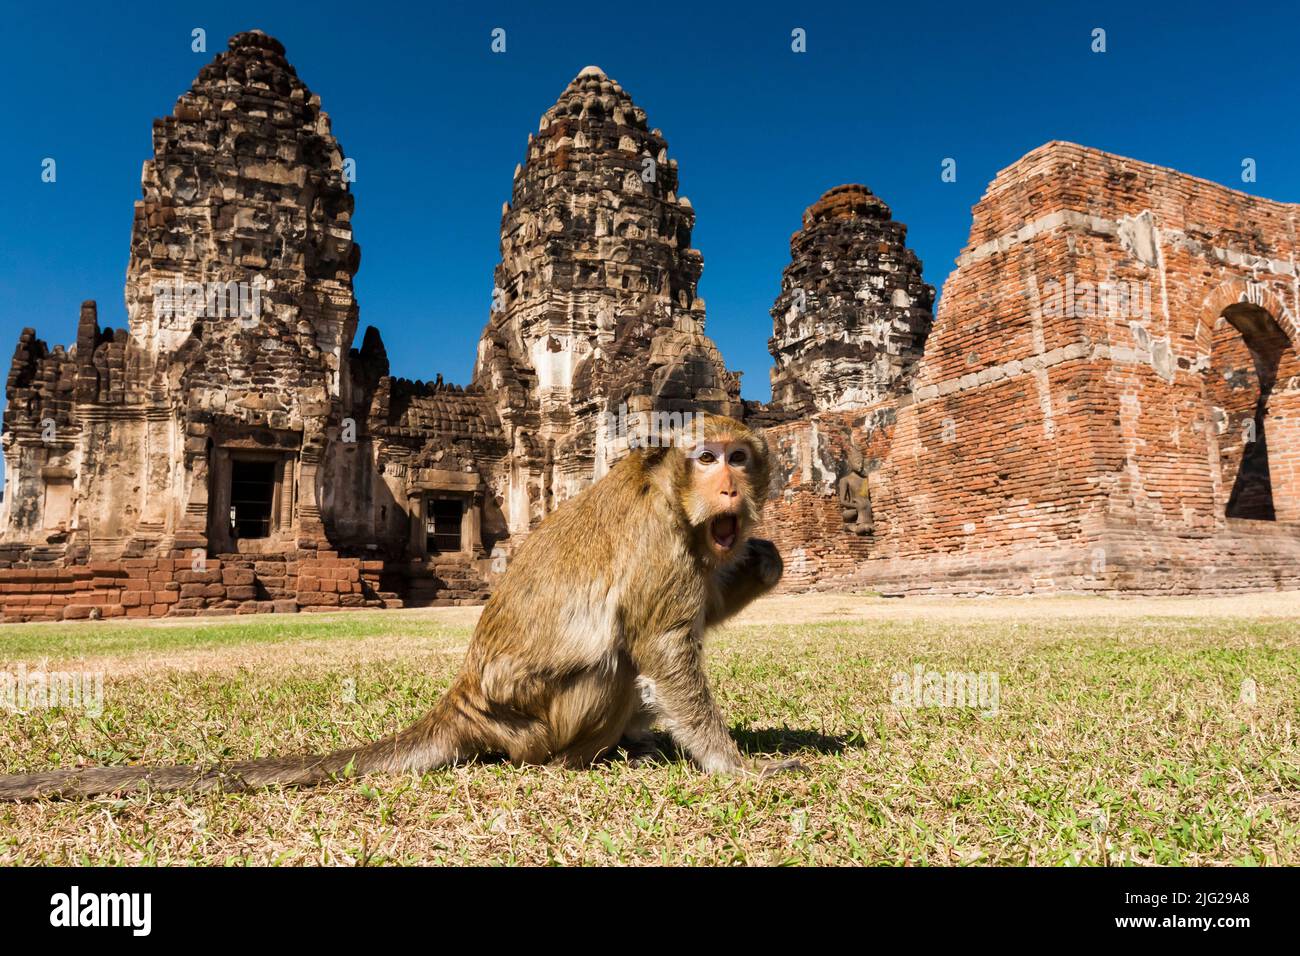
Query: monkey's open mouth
722, 530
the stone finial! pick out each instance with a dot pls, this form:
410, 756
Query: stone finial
255, 40
846, 202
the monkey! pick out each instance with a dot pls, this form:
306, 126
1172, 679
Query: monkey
594, 633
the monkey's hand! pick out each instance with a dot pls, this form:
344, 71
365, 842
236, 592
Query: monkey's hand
765, 560
752, 574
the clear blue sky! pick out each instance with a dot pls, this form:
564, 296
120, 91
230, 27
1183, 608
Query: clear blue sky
437, 123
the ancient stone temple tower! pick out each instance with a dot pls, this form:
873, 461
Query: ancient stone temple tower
853, 313
595, 306
240, 312
230, 451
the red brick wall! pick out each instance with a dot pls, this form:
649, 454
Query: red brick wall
177, 587
1070, 443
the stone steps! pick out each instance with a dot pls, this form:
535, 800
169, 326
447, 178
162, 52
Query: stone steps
444, 583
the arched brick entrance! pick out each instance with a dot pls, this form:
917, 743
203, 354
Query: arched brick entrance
1253, 390
1247, 349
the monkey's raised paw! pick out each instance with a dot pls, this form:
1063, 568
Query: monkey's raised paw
766, 560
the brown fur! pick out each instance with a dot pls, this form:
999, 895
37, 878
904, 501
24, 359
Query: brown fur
595, 631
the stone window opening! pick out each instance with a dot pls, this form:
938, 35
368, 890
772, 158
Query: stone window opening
1247, 351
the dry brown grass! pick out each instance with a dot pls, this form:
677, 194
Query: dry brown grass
1122, 736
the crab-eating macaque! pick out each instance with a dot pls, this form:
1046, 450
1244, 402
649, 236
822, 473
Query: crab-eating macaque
595, 631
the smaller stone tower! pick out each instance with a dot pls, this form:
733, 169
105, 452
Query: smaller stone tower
853, 313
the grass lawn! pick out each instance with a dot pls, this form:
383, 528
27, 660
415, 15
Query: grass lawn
1126, 732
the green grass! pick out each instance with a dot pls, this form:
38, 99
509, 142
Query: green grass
1119, 742
78, 638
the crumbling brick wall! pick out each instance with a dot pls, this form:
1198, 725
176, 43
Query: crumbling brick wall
186, 586
1076, 420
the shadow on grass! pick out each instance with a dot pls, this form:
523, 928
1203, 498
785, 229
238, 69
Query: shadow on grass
787, 742
769, 741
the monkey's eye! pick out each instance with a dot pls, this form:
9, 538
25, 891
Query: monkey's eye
707, 458
738, 457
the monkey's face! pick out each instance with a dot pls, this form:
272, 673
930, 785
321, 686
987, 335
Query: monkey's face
719, 500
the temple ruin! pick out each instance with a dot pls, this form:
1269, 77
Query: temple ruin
1107, 399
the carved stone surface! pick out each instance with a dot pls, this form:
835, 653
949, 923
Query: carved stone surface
855, 495
853, 313
595, 303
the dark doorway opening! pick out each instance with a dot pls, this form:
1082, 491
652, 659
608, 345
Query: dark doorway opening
1255, 376
252, 496
442, 525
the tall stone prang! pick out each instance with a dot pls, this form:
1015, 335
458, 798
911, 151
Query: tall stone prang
247, 186
595, 307
853, 314
240, 312
229, 451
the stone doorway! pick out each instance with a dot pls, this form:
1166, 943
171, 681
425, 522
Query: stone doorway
446, 515
1248, 349
252, 497
251, 501
443, 519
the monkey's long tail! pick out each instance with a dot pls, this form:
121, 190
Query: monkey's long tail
430, 743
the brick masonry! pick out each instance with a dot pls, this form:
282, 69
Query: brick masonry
1112, 351
184, 586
